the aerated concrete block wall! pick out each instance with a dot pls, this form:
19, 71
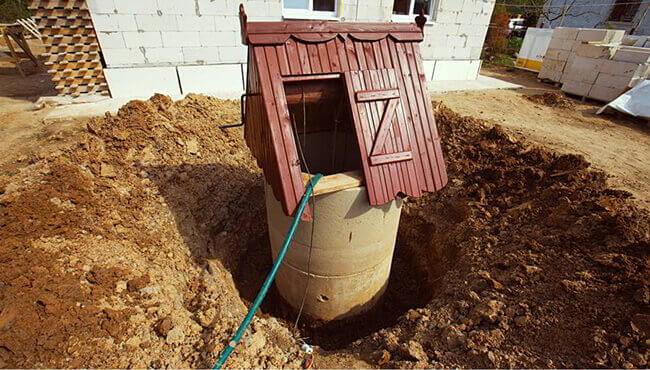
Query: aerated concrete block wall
182, 46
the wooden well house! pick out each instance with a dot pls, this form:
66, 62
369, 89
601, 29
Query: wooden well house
348, 100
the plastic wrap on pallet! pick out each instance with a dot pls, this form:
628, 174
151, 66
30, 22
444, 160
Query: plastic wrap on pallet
633, 102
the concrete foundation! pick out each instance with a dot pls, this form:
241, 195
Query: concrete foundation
352, 251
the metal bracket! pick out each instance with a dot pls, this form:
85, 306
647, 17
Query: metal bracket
242, 104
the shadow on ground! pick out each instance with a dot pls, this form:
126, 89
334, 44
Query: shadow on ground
35, 84
220, 212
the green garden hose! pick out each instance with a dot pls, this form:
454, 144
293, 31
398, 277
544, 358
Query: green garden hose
269, 278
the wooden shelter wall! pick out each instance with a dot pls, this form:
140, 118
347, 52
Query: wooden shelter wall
426, 172
257, 132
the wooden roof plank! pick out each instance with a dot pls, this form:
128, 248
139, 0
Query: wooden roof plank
304, 58
288, 199
416, 78
417, 176
293, 57
440, 161
287, 133
351, 55
333, 56
323, 58
314, 58
283, 60
340, 50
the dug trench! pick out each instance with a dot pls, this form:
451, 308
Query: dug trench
141, 244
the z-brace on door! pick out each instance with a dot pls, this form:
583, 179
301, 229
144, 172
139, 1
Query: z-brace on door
378, 115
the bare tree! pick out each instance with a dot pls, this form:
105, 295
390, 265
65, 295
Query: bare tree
547, 11
568, 9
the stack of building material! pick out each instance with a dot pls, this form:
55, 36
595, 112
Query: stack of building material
567, 43
71, 47
592, 48
594, 63
627, 67
604, 71
558, 53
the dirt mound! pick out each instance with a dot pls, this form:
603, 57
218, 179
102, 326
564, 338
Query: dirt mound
109, 237
535, 262
123, 248
552, 99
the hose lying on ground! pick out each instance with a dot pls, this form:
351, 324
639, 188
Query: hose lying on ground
269, 278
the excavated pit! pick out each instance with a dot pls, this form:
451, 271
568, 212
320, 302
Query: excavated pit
411, 285
147, 238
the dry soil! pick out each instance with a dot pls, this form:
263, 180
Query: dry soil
613, 143
138, 240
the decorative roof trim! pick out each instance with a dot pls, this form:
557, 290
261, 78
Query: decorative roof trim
277, 33
281, 38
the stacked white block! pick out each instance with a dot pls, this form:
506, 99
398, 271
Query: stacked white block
597, 66
591, 49
627, 67
569, 42
558, 53
582, 69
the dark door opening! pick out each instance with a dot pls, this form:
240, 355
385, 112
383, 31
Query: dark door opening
320, 116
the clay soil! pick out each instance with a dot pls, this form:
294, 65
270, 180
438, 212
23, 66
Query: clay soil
138, 240
611, 142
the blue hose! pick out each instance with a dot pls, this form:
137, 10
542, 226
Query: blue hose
269, 278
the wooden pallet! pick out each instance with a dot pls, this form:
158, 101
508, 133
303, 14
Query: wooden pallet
72, 51
67, 31
64, 22
57, 4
